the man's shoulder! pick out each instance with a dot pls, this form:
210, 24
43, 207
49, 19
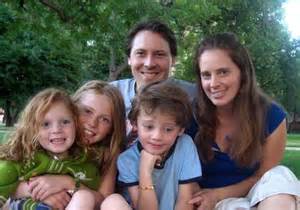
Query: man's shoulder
123, 82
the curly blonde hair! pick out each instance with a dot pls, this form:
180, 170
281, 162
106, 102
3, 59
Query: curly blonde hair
23, 142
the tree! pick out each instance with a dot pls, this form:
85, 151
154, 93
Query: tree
85, 39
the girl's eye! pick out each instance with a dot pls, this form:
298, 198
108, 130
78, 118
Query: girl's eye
45, 124
87, 111
104, 120
65, 122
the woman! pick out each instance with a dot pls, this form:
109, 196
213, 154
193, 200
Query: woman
242, 133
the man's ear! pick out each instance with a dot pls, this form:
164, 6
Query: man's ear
129, 61
173, 61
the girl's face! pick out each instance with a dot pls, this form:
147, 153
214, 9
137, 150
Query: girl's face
157, 132
95, 116
220, 77
57, 130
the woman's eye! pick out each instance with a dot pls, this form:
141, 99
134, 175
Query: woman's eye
223, 72
205, 75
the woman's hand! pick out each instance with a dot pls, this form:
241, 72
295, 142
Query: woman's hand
205, 199
41, 187
58, 200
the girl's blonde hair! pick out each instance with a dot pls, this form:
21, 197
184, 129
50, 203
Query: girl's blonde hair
24, 140
107, 149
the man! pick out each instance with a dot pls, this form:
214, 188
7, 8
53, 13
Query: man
151, 51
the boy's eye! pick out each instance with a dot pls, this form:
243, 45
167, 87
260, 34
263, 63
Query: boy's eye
169, 129
148, 127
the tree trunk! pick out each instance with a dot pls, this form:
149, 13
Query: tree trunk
8, 116
114, 70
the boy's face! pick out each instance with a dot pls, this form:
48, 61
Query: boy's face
157, 131
57, 130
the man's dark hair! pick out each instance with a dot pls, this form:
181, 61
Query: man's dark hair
154, 26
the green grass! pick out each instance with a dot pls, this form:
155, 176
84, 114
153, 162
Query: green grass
291, 158
292, 161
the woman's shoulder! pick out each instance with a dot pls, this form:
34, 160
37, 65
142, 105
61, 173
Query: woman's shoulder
275, 115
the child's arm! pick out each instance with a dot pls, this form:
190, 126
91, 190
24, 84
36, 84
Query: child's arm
107, 186
146, 194
185, 193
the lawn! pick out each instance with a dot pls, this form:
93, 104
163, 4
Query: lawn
291, 157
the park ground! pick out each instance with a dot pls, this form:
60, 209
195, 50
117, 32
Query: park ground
291, 157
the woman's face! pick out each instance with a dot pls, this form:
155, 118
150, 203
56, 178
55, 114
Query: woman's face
95, 116
220, 77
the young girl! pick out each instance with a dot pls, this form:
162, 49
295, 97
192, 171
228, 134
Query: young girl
162, 168
46, 140
102, 116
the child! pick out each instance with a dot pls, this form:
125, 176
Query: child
162, 168
47, 140
102, 116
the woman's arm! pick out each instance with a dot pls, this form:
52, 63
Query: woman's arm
273, 151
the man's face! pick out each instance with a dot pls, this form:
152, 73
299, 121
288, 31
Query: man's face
150, 58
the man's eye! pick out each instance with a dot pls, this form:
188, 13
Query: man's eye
140, 53
160, 54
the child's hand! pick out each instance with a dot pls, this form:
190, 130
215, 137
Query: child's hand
147, 162
41, 187
58, 200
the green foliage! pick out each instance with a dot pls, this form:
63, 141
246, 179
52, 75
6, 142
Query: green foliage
63, 43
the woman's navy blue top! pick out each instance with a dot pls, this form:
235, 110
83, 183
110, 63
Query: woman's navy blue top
222, 170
